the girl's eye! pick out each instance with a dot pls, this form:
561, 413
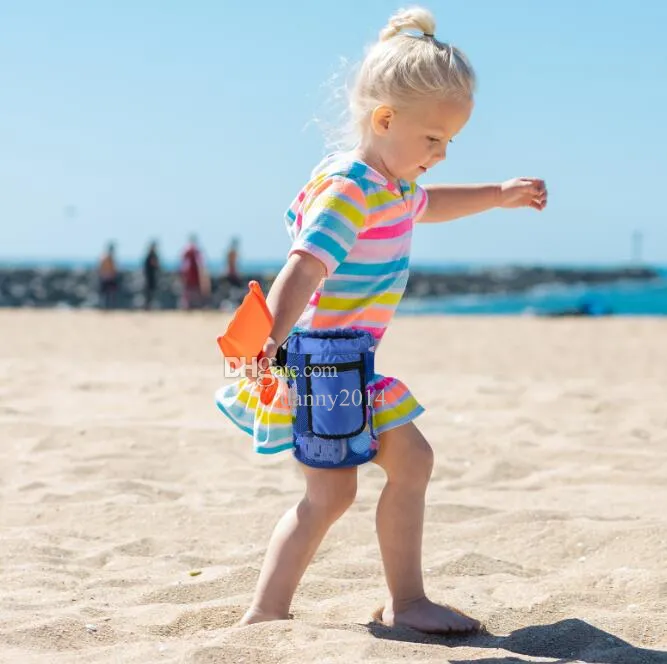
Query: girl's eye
433, 139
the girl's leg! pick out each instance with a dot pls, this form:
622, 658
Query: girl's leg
407, 459
296, 538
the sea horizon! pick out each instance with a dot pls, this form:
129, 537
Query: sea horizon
274, 265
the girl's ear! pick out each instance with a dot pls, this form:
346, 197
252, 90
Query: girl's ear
381, 119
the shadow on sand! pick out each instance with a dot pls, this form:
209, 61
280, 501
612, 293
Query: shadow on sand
569, 641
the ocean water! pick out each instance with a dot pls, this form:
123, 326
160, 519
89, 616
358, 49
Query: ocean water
619, 299
631, 298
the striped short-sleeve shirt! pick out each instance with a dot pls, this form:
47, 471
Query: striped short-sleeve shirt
359, 224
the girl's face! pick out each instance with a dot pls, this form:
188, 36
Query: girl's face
407, 142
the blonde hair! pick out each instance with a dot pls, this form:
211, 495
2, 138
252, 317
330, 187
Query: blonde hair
406, 64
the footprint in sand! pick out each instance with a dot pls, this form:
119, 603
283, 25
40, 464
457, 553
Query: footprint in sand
33, 486
145, 490
236, 582
230, 653
452, 513
200, 620
144, 547
474, 564
62, 634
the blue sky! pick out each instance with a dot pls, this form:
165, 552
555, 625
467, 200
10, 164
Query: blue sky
135, 119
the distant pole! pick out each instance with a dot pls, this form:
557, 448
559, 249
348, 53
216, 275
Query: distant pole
637, 246
70, 212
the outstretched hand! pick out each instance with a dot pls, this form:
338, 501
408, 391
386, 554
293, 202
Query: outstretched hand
523, 192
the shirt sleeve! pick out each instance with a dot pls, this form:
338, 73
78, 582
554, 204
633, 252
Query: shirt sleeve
332, 216
419, 203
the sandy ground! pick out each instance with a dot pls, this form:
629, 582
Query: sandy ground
546, 518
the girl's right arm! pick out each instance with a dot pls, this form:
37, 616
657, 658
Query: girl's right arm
289, 296
333, 214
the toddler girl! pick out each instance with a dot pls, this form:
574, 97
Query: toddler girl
351, 228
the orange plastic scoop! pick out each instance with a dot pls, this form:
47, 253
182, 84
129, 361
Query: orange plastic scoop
246, 335
248, 330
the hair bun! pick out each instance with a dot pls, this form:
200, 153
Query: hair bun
415, 18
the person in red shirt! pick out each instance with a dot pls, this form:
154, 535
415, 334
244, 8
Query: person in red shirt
194, 277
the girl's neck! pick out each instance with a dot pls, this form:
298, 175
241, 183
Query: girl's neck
370, 157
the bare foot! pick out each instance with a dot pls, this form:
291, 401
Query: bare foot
426, 616
253, 616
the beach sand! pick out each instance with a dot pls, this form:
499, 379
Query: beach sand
546, 515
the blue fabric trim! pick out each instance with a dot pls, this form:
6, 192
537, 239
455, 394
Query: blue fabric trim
227, 413
373, 269
323, 242
274, 450
369, 286
260, 450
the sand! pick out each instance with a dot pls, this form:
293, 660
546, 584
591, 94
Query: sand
135, 517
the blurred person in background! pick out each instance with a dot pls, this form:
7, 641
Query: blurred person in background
195, 280
108, 277
232, 275
151, 274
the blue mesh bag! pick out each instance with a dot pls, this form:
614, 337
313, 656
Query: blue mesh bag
329, 373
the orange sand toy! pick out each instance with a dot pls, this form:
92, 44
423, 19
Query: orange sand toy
246, 335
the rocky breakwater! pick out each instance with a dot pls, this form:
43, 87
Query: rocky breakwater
78, 288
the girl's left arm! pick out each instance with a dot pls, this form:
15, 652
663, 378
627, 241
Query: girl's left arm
452, 201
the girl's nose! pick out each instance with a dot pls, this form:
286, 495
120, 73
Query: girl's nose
440, 156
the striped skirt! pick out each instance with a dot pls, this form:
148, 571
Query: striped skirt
271, 425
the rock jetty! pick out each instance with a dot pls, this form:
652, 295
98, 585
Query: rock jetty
78, 288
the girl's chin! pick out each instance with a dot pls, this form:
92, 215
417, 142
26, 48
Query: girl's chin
413, 173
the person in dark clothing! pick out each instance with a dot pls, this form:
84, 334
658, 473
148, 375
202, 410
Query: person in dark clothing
232, 275
151, 274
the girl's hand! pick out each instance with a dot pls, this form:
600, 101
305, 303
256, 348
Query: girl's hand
264, 360
523, 192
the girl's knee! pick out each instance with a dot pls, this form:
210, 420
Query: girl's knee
332, 493
415, 473
408, 457
422, 460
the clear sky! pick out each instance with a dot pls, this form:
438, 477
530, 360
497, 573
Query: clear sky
133, 119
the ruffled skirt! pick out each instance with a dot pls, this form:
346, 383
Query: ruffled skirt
270, 425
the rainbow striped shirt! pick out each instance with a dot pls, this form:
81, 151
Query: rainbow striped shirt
359, 224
